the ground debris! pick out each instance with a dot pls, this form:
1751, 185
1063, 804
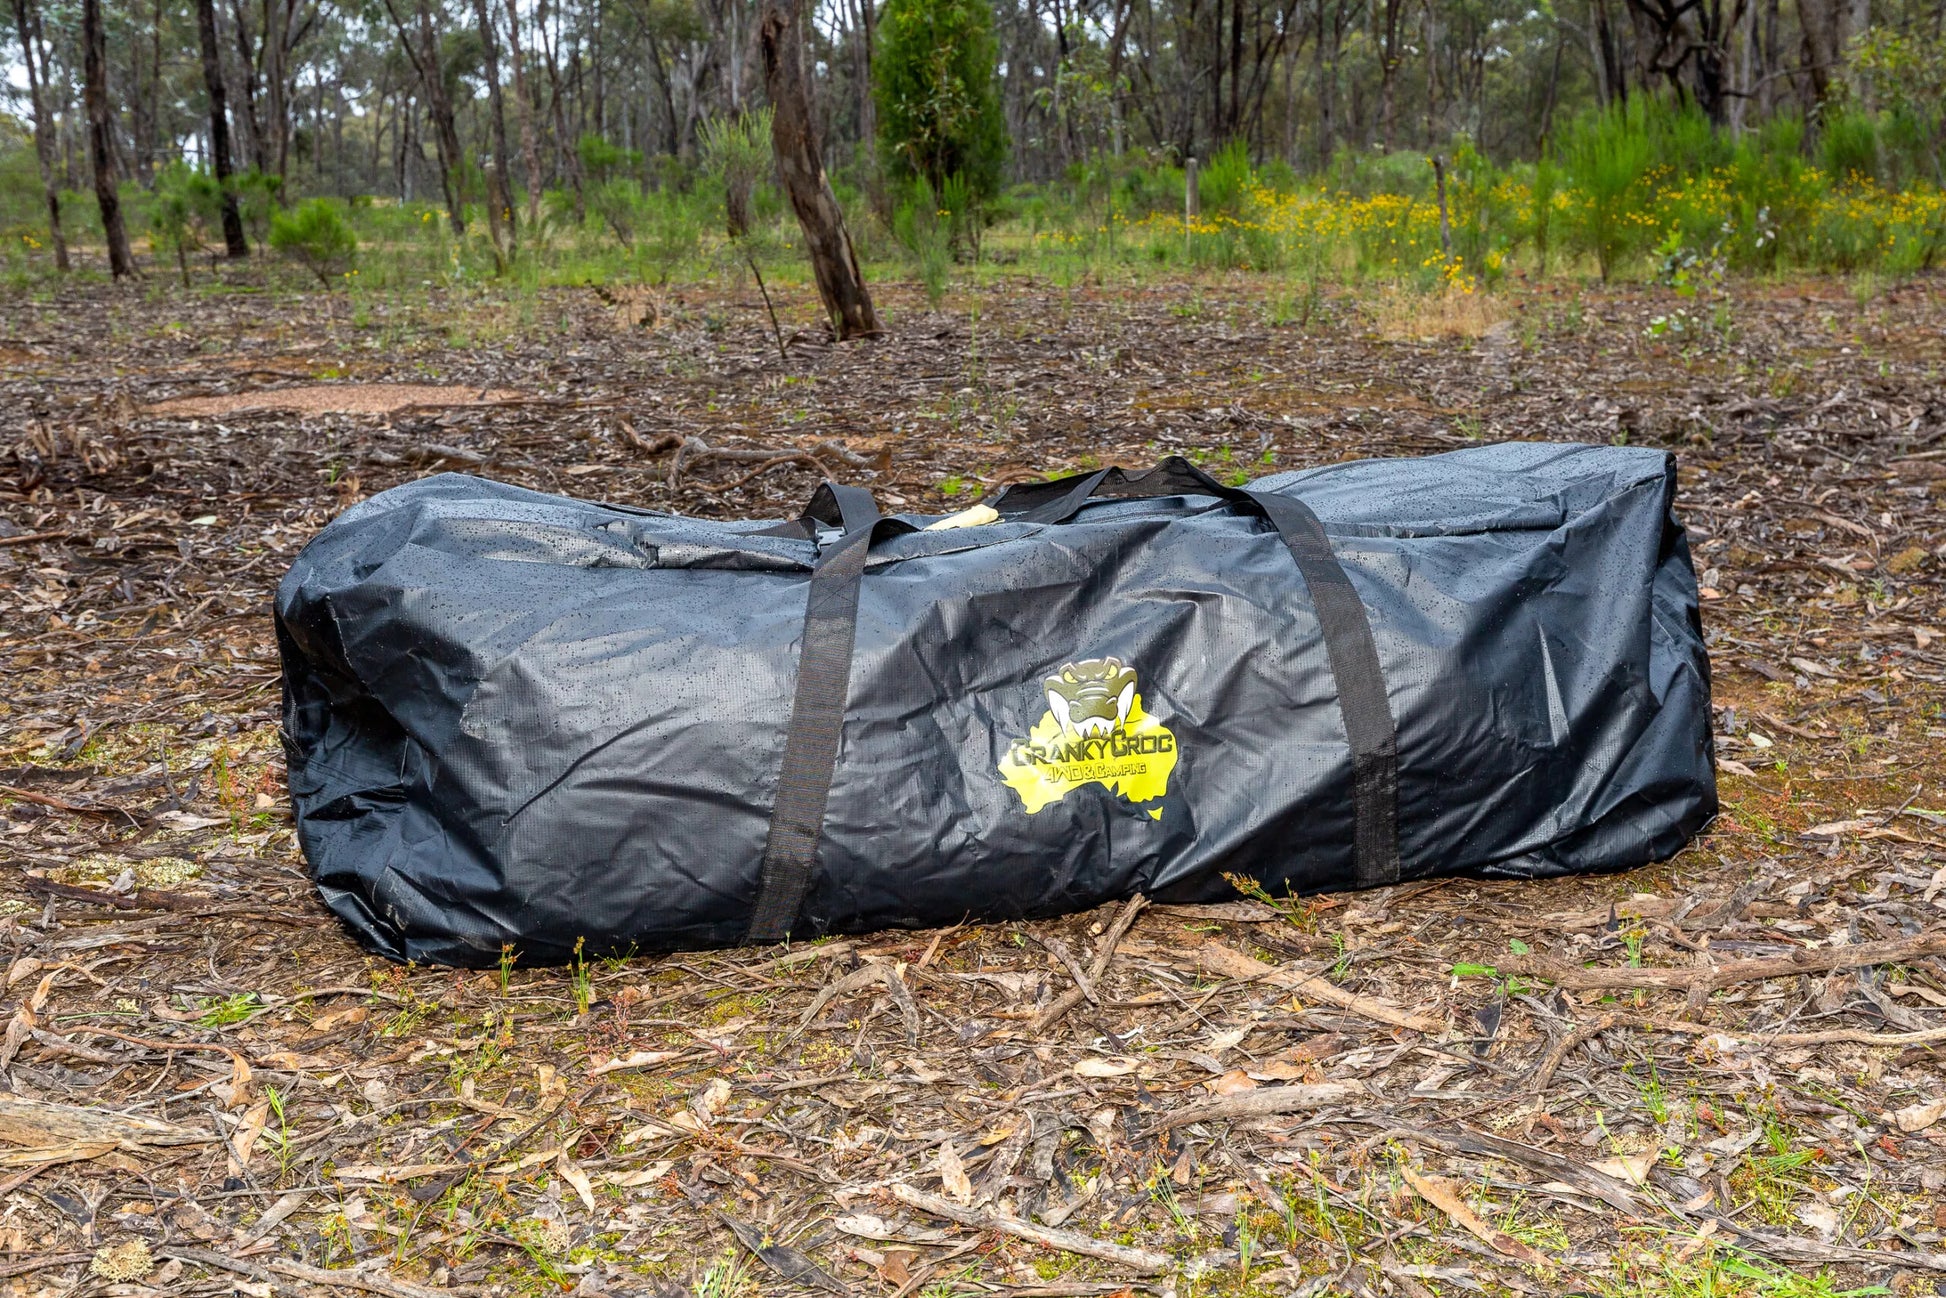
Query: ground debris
1633, 1084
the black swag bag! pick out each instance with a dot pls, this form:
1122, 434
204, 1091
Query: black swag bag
515, 720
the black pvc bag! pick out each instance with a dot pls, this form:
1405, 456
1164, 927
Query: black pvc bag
516, 720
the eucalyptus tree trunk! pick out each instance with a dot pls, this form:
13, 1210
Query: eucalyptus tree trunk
28, 21
500, 199
219, 127
424, 57
101, 121
780, 43
530, 151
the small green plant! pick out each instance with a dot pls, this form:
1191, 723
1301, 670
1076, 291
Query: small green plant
1226, 179
924, 229
738, 153
281, 1139
219, 1013
507, 957
316, 235
185, 202
727, 1277
579, 980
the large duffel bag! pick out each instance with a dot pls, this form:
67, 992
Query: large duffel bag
520, 722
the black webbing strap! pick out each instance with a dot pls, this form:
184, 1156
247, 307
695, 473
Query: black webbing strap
1353, 655
817, 717
1342, 619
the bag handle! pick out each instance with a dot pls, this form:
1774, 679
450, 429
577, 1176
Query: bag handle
849, 509
830, 633
1060, 500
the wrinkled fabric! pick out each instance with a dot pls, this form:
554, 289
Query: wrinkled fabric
516, 721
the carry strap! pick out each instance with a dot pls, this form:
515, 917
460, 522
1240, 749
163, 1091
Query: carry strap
830, 632
817, 708
1342, 620
1353, 655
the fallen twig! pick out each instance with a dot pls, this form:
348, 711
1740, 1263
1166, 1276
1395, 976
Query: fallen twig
1073, 996
1142, 1260
345, 1279
1821, 960
72, 808
873, 971
29, 1264
1231, 963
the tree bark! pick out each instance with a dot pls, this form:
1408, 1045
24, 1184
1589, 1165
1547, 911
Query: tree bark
529, 146
439, 106
121, 262
500, 199
31, 53
1823, 24
219, 127
780, 39
253, 131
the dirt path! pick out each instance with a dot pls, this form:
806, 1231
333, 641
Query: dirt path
542, 1131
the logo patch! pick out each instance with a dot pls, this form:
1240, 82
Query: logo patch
1094, 732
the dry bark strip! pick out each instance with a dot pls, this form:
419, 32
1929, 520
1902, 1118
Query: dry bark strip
1231, 963
1141, 1260
1264, 1103
1445, 1196
1822, 960
365, 1281
41, 1125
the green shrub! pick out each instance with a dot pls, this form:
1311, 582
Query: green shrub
316, 235
257, 194
618, 204
1226, 179
1606, 156
601, 160
938, 106
1848, 146
918, 224
738, 153
1542, 192
186, 203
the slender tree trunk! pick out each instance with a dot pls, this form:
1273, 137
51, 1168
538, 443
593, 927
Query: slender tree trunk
219, 127
149, 145
424, 58
28, 24
94, 43
253, 130
780, 38
1117, 43
1553, 90
277, 21
564, 143
500, 199
529, 147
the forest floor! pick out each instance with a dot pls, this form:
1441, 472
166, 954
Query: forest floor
1734, 1082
